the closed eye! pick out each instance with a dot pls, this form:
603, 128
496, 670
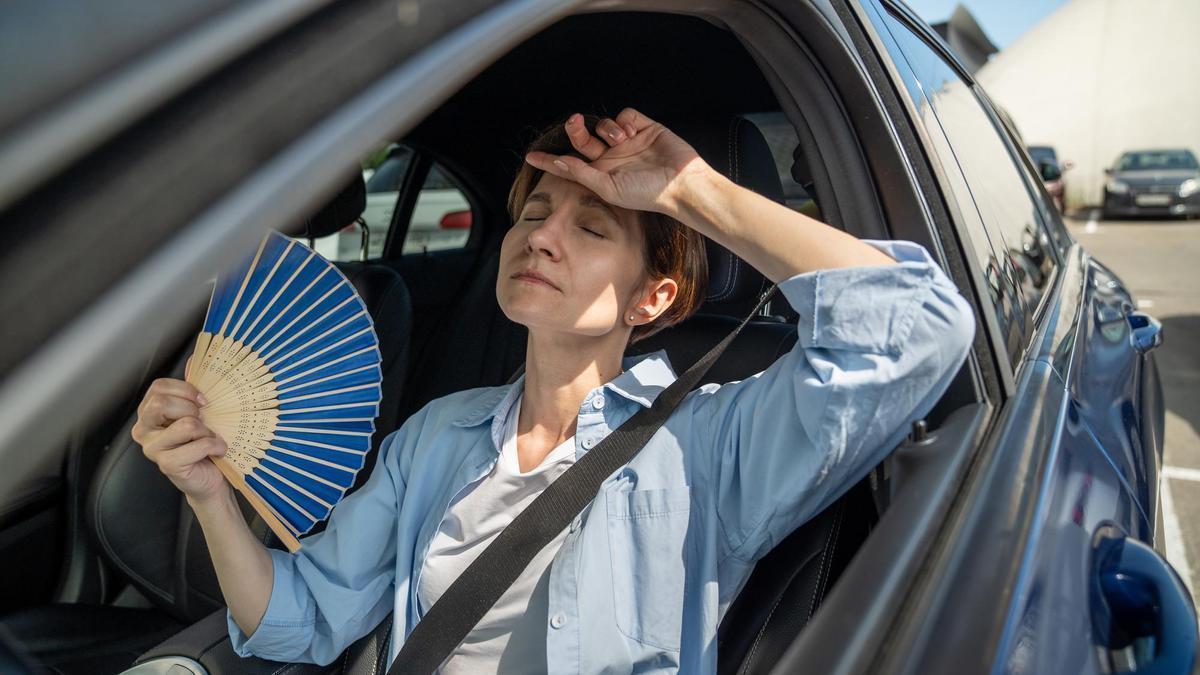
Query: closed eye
592, 232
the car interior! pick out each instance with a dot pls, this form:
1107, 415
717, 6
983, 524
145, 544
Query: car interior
135, 580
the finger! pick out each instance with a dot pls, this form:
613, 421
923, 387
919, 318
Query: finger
183, 430
176, 460
610, 131
588, 145
160, 410
574, 169
172, 387
633, 121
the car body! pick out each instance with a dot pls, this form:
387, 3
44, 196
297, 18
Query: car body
1017, 530
1158, 182
1051, 171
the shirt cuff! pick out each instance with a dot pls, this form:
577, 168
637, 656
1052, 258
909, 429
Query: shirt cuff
865, 309
284, 624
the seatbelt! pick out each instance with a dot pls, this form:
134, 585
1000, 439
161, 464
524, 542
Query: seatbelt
476, 590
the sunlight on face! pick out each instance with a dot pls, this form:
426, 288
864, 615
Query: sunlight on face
571, 263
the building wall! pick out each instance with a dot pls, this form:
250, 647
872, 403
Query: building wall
1098, 77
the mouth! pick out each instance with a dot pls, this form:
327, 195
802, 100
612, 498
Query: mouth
531, 276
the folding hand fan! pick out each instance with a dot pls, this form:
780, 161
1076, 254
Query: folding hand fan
289, 362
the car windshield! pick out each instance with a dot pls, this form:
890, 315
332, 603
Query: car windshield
1163, 159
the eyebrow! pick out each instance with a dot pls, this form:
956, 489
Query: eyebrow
586, 201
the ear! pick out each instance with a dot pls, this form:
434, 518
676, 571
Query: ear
657, 295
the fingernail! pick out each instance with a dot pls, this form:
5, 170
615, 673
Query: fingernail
575, 118
630, 130
201, 400
562, 165
616, 135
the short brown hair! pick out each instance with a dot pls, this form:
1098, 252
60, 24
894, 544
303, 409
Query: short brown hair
671, 250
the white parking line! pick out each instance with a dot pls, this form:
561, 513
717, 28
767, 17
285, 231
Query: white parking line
1091, 228
1172, 532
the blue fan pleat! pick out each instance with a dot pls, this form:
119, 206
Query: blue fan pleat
361, 426
341, 382
329, 367
329, 473
348, 459
283, 361
333, 413
315, 487
270, 300
223, 294
356, 396
305, 307
360, 443
297, 521
310, 506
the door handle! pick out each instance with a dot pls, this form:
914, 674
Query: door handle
1147, 331
1142, 612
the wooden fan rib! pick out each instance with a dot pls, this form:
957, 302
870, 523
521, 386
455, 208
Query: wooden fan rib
271, 359
317, 353
286, 330
275, 298
283, 312
327, 378
327, 364
295, 487
262, 286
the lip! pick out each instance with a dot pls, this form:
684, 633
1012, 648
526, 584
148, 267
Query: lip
534, 277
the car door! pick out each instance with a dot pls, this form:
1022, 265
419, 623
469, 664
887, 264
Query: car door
1060, 504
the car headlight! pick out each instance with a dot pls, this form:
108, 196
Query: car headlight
1189, 187
1116, 187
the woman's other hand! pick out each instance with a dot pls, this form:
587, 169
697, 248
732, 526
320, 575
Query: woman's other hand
636, 163
172, 436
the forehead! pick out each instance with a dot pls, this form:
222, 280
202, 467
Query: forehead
552, 191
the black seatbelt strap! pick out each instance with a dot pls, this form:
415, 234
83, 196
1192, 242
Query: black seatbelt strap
476, 590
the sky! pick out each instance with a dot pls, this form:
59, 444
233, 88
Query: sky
1002, 20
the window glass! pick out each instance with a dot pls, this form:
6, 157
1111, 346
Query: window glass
441, 218
1002, 217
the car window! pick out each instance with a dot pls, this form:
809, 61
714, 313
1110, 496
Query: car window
781, 138
1004, 221
440, 220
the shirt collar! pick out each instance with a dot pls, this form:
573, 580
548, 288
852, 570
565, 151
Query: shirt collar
645, 377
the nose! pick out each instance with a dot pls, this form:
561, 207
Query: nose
544, 238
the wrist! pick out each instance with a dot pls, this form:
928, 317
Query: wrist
222, 502
696, 182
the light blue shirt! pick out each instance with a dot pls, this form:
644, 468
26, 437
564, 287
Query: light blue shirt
647, 570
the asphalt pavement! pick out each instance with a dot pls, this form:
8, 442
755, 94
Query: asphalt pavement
1160, 262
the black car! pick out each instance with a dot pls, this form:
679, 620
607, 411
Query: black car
1153, 183
146, 145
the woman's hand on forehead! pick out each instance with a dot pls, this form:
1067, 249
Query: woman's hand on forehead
634, 160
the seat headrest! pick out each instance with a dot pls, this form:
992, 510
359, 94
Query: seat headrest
345, 207
738, 150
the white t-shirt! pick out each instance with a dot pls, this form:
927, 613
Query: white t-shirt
511, 637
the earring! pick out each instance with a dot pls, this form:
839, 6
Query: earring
631, 317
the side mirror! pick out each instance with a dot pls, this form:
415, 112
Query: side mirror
1050, 171
1108, 171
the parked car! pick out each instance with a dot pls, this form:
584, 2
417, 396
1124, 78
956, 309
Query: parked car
1014, 531
1051, 171
1153, 183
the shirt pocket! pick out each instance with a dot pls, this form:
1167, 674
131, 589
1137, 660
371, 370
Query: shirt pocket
646, 532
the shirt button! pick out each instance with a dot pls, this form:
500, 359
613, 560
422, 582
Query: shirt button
557, 620
598, 402
588, 443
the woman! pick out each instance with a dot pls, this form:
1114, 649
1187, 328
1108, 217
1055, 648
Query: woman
606, 246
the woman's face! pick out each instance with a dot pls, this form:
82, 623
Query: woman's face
573, 263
